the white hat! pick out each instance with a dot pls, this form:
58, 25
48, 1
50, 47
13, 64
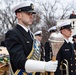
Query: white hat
52, 29
65, 24
38, 33
26, 6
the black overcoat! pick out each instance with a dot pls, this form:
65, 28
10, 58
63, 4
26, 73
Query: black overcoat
19, 44
67, 52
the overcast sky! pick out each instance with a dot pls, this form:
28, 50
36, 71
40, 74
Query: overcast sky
63, 2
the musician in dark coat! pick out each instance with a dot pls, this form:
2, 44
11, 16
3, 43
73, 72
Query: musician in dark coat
38, 35
23, 49
66, 52
47, 46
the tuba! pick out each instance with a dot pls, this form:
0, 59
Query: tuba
64, 67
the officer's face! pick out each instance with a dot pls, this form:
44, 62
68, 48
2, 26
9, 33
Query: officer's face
25, 18
39, 38
66, 32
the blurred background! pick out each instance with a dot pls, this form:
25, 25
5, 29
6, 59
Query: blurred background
48, 12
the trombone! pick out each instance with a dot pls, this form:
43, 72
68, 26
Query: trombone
64, 67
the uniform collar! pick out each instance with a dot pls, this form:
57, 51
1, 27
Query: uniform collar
38, 41
26, 29
67, 40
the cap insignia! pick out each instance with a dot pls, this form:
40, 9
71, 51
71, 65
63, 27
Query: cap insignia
32, 6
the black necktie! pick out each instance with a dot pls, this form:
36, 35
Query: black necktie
30, 34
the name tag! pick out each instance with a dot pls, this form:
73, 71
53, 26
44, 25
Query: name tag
66, 49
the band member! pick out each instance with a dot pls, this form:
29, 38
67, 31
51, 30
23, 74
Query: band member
48, 50
66, 52
47, 46
38, 35
22, 47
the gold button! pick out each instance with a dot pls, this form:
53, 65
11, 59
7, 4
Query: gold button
71, 64
71, 70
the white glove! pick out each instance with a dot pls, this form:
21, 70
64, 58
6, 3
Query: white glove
40, 66
51, 66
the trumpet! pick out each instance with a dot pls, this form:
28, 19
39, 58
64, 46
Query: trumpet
64, 67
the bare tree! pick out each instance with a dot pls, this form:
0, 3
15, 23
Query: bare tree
7, 19
48, 16
48, 13
65, 9
36, 21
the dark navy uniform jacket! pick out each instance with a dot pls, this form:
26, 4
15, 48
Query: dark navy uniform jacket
67, 52
48, 51
19, 44
74, 45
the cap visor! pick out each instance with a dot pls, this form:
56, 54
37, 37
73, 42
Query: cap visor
33, 12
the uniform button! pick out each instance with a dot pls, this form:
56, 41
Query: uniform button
71, 64
75, 70
75, 64
71, 70
71, 59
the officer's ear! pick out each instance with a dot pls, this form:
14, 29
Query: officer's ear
18, 15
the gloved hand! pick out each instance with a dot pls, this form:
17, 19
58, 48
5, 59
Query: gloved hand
40, 66
51, 66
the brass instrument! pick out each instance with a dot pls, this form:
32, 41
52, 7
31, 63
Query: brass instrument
64, 67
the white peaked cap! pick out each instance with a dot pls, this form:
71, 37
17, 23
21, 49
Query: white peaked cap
52, 28
20, 5
38, 32
64, 23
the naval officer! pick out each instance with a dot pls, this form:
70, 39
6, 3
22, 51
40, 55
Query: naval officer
66, 52
38, 35
22, 48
